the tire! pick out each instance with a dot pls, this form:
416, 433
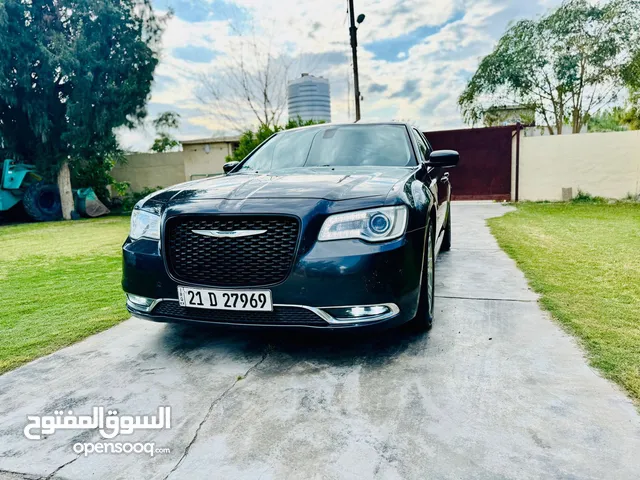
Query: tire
424, 317
445, 246
42, 202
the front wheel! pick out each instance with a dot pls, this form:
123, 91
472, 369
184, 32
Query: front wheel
424, 317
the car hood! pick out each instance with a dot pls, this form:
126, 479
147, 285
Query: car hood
322, 183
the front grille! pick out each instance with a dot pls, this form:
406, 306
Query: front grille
252, 261
279, 315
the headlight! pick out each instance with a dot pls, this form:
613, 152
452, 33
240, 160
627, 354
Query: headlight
375, 225
144, 225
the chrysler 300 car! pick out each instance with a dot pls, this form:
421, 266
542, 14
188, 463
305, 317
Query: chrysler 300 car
329, 226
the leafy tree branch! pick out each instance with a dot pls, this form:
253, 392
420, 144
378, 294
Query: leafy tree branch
163, 123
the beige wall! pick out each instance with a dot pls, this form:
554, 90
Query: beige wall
151, 170
205, 159
165, 169
602, 164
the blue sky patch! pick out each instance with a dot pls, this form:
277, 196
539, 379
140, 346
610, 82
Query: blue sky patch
395, 49
191, 53
193, 11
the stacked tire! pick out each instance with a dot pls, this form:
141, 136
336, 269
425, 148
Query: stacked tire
41, 201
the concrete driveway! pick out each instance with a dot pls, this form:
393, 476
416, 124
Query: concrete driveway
495, 390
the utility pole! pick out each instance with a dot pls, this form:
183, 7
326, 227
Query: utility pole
354, 50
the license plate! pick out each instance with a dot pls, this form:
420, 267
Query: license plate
244, 300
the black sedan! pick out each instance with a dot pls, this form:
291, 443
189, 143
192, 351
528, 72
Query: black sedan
330, 227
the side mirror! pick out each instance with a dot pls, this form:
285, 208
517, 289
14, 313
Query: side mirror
227, 167
443, 158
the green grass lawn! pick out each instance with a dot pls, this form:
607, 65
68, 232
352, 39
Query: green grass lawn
59, 283
584, 260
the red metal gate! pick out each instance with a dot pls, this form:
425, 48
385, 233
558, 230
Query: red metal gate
484, 172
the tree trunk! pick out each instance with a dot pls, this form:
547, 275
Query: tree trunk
66, 194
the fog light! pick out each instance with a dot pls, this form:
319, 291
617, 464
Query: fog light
367, 311
143, 303
358, 312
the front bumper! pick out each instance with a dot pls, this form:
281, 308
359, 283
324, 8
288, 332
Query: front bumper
336, 274
291, 316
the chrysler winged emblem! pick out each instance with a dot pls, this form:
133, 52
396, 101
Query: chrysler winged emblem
229, 233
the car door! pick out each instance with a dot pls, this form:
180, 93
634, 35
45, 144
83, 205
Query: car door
437, 187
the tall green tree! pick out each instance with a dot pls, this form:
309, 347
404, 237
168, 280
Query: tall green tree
567, 65
71, 71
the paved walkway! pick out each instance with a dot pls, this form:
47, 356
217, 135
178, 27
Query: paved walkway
495, 390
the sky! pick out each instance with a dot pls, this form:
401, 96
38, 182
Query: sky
414, 56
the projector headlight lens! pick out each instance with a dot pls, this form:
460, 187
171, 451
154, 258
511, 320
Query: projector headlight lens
379, 223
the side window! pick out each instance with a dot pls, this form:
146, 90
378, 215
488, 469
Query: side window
422, 145
429, 147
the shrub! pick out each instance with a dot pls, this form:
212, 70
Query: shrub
584, 197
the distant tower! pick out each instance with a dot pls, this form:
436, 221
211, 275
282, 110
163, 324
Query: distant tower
309, 98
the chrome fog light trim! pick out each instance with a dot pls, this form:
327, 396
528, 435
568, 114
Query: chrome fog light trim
141, 303
361, 313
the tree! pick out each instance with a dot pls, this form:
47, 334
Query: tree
163, 123
631, 115
70, 72
251, 84
567, 65
610, 120
249, 140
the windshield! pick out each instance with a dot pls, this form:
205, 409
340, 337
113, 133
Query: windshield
341, 146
